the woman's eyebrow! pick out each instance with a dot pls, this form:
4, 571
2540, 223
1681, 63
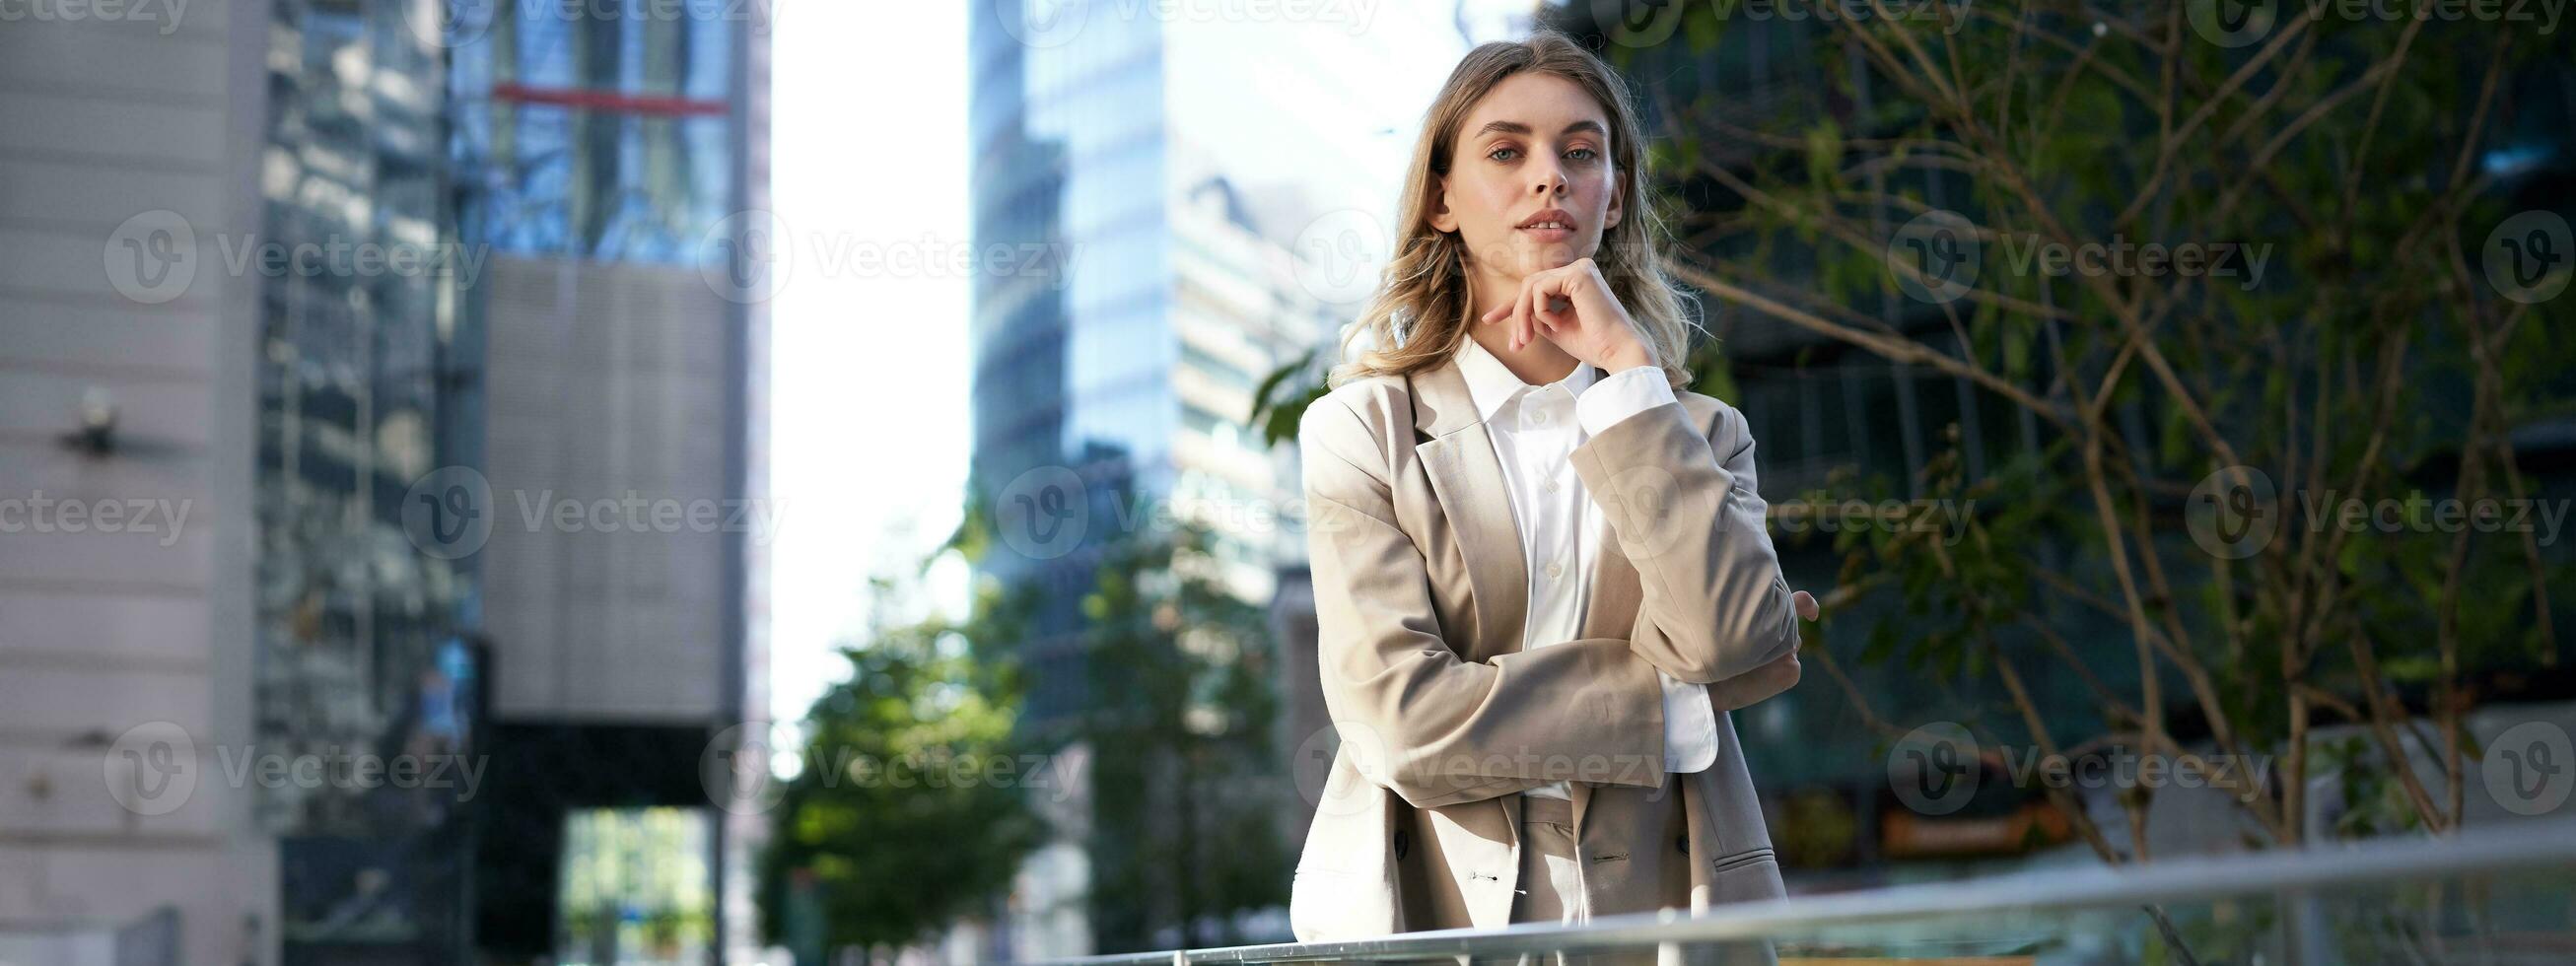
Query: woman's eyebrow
1516, 127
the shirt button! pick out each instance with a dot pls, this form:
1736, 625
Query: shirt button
1539, 417
1549, 486
1555, 570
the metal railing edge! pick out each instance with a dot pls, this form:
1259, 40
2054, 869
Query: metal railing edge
2519, 846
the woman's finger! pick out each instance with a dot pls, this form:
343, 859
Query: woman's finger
1806, 604
1523, 325
1543, 297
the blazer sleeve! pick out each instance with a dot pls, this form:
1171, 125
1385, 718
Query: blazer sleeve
1432, 727
1713, 602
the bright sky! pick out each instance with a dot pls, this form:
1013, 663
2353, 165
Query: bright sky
869, 374
868, 418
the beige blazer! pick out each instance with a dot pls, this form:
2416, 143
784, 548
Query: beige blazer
1443, 718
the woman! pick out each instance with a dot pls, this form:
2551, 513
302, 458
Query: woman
1541, 572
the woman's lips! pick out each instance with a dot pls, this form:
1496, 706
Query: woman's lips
1548, 234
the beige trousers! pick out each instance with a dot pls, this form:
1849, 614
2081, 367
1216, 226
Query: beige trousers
1552, 876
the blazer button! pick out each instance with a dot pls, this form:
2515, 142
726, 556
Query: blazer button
1403, 843
1682, 844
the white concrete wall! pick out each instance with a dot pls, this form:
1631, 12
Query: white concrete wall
606, 381
102, 120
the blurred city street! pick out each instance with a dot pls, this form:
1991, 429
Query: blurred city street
754, 482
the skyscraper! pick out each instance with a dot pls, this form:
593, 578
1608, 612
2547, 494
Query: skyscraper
1163, 269
614, 159
229, 306
261, 255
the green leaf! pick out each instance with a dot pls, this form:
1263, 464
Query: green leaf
1824, 152
2016, 338
2174, 443
1270, 415
1715, 382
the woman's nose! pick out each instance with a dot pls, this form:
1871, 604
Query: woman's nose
1551, 181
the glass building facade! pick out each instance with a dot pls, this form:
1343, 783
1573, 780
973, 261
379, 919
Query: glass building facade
1073, 358
364, 386
598, 153
545, 132
606, 138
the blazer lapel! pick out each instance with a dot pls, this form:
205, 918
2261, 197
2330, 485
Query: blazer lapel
1468, 480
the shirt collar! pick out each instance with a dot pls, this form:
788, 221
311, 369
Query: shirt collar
1492, 384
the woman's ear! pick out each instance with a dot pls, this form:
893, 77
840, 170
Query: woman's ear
1611, 220
1441, 217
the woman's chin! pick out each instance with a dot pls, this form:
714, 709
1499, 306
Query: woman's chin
1547, 256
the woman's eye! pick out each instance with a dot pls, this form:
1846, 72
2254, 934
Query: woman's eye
1580, 153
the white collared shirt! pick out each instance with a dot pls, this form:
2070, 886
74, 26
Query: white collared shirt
1535, 430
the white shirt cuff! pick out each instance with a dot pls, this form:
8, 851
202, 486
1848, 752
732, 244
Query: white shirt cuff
1690, 726
1620, 395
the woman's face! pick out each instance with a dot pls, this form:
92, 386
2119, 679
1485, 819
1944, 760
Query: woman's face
1530, 184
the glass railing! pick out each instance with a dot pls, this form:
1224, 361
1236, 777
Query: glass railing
2504, 895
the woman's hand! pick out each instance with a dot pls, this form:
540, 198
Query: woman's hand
1743, 690
1592, 327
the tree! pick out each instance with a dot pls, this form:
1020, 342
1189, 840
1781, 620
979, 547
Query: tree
909, 813
1186, 782
2347, 147
2197, 435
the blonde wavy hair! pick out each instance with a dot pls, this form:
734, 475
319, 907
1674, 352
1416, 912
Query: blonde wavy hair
1420, 312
